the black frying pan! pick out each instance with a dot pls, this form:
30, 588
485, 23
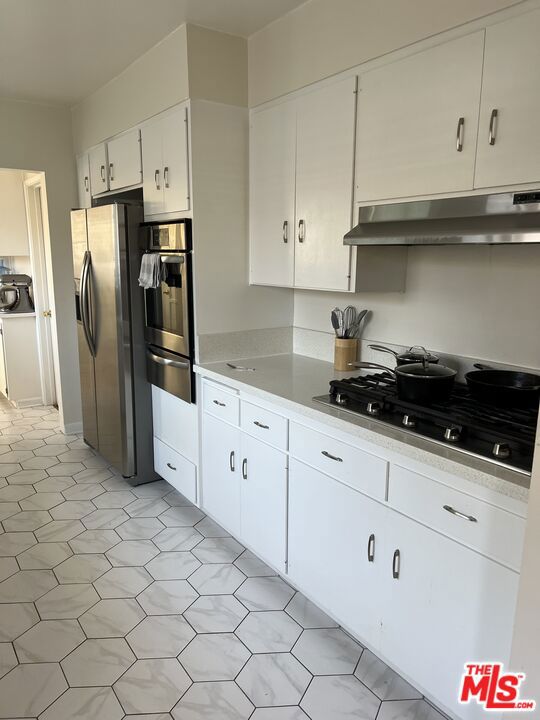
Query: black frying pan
504, 388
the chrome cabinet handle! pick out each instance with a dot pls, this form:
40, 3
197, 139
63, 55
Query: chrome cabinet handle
371, 548
459, 134
244, 468
169, 363
102, 171
156, 180
493, 126
285, 231
261, 425
301, 231
216, 402
396, 564
166, 176
111, 171
331, 457
171, 466
86, 184
457, 513
231, 461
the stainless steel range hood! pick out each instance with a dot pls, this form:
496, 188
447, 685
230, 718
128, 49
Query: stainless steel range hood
476, 219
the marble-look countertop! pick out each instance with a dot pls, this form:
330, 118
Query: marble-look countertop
291, 381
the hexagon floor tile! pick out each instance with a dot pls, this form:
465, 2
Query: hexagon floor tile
133, 587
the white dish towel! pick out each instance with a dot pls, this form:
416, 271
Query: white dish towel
151, 273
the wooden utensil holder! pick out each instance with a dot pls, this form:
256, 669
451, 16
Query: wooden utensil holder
345, 352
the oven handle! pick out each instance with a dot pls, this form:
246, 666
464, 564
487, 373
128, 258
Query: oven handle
169, 363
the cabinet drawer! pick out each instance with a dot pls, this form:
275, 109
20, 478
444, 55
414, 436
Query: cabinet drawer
353, 466
264, 424
483, 527
175, 469
222, 403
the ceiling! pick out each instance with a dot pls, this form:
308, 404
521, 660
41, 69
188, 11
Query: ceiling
59, 51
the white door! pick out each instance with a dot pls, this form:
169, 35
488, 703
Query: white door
324, 186
221, 472
83, 181
414, 115
3, 374
335, 544
152, 164
174, 133
99, 177
448, 606
263, 500
510, 108
124, 154
272, 189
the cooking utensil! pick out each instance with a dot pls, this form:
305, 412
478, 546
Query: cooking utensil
504, 388
421, 383
353, 332
349, 320
415, 354
335, 322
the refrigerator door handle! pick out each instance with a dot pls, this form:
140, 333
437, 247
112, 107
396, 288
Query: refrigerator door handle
85, 303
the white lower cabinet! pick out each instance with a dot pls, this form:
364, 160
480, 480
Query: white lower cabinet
175, 469
334, 537
221, 476
263, 501
442, 605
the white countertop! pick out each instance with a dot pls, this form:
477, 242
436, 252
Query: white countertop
291, 381
5, 315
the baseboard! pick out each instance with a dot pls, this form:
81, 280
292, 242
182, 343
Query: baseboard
73, 428
27, 403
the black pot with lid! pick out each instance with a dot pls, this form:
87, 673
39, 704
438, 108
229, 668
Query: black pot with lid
415, 354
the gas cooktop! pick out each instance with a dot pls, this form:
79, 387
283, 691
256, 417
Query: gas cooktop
504, 436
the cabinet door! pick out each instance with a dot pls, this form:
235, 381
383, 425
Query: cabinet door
449, 605
263, 500
221, 472
124, 153
324, 185
330, 526
83, 181
174, 134
509, 154
3, 375
272, 181
152, 163
409, 122
99, 177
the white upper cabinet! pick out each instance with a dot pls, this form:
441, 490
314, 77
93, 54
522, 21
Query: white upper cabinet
509, 141
272, 179
165, 160
124, 155
301, 181
324, 185
99, 176
13, 228
417, 122
83, 181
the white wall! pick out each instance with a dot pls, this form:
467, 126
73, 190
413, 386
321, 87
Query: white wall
477, 301
38, 138
155, 81
324, 37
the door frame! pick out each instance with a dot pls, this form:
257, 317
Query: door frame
37, 218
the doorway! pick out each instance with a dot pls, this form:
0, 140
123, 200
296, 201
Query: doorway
35, 197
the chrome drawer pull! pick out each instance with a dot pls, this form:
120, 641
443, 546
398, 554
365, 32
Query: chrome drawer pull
453, 511
396, 564
171, 466
260, 424
371, 548
231, 461
216, 402
331, 457
244, 469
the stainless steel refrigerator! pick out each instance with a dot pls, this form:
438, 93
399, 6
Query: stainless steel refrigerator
116, 397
